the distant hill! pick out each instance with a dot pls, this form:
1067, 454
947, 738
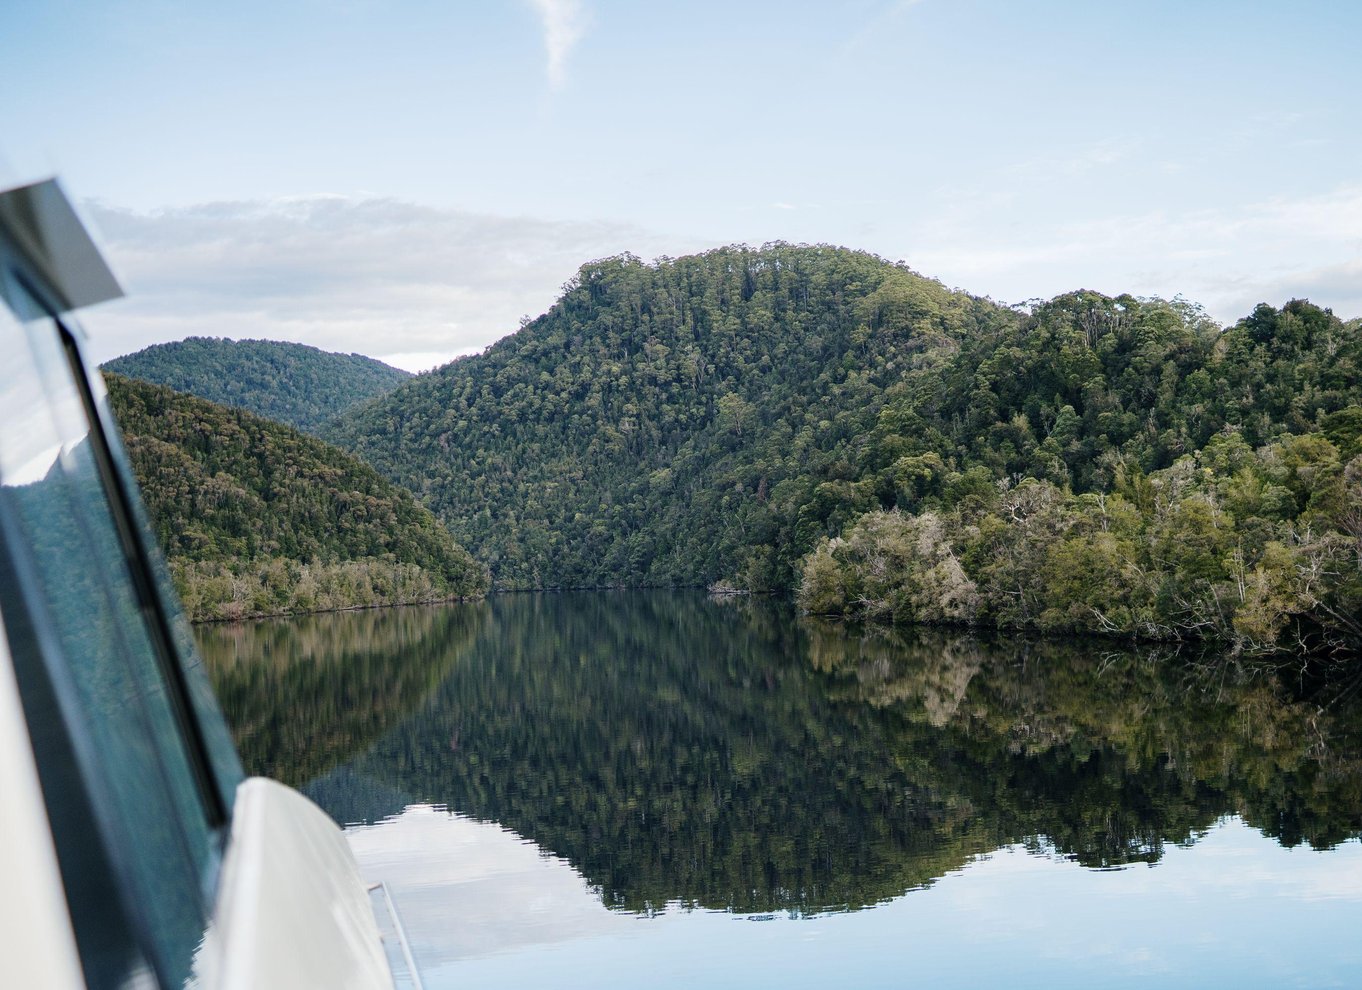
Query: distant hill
667, 424
258, 518
820, 419
289, 383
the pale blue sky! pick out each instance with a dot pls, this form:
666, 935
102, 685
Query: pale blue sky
408, 178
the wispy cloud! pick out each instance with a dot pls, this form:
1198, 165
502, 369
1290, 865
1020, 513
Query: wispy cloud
1096, 155
419, 285
884, 17
1228, 259
563, 23
390, 279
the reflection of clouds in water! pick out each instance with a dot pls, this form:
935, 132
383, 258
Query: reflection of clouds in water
483, 907
1327, 879
466, 889
1231, 861
1228, 882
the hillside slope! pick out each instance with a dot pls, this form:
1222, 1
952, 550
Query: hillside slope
1096, 464
1120, 466
666, 424
288, 383
257, 518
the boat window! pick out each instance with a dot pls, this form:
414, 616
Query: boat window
108, 659
216, 748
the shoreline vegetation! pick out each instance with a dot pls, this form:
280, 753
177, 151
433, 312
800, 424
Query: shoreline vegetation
228, 591
1193, 553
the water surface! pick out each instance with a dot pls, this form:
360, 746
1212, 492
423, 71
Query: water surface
658, 788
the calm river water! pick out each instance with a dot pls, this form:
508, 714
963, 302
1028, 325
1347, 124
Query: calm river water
661, 789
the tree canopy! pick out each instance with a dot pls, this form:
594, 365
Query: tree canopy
668, 423
750, 415
290, 383
258, 518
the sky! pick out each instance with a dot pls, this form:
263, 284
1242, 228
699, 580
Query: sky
408, 179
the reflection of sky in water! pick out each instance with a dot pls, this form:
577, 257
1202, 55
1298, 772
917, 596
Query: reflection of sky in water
485, 908
466, 889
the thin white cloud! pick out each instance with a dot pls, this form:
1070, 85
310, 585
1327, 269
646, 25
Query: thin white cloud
884, 18
419, 286
1227, 259
1096, 155
563, 24
374, 276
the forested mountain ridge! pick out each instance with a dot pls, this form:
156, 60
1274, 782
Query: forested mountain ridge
819, 418
664, 424
1135, 471
257, 518
289, 383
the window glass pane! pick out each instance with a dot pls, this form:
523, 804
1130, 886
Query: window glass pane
51, 484
217, 738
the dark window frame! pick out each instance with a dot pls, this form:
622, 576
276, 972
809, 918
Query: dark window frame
113, 929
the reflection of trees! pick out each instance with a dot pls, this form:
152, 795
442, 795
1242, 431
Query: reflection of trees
671, 752
1110, 754
305, 694
724, 754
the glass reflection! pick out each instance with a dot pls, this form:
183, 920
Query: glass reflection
79, 589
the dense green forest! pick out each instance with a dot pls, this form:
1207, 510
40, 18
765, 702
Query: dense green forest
257, 518
664, 424
1120, 466
819, 419
289, 383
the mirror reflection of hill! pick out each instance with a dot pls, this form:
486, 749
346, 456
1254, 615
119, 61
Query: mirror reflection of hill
730, 756
1109, 754
305, 694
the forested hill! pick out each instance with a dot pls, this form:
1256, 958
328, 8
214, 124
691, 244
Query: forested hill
818, 418
668, 423
289, 383
1123, 467
257, 518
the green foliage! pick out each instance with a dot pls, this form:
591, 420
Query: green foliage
1215, 555
675, 423
892, 566
289, 383
257, 518
717, 417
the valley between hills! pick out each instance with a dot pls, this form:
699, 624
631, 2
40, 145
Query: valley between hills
809, 421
